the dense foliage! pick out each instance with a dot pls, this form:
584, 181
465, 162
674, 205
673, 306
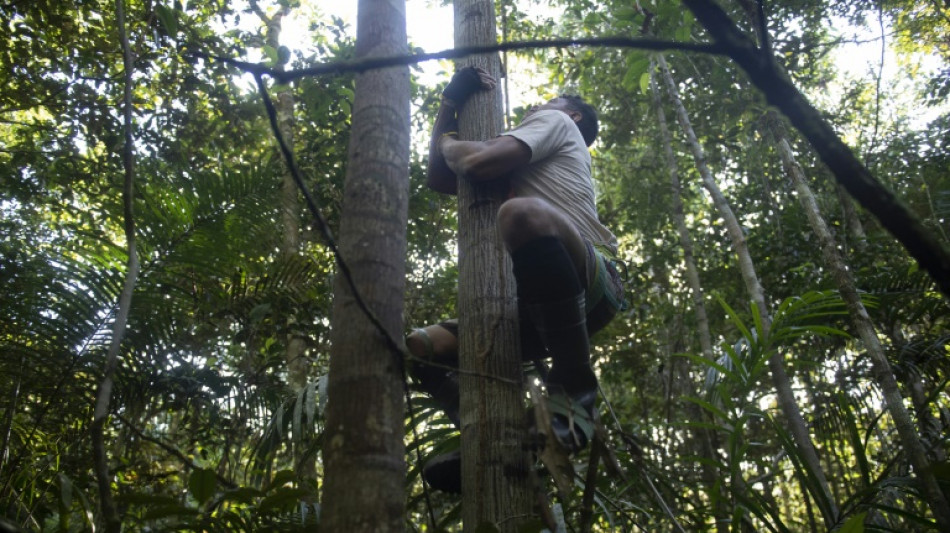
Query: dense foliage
208, 430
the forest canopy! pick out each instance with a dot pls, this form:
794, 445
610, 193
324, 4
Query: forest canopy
782, 364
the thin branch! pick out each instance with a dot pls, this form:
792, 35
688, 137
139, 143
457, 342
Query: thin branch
764, 39
590, 487
362, 65
224, 481
113, 523
877, 87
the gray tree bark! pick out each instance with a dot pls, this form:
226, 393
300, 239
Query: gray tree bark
880, 366
496, 485
783, 388
298, 368
851, 220
112, 522
770, 77
364, 451
705, 437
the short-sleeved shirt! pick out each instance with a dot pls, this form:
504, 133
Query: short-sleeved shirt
559, 172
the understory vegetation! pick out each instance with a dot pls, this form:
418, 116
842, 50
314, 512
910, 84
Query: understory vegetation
782, 364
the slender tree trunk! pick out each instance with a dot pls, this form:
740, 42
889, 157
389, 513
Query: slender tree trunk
112, 522
496, 485
8, 421
931, 427
705, 436
852, 222
783, 388
679, 219
770, 77
298, 369
364, 451
881, 368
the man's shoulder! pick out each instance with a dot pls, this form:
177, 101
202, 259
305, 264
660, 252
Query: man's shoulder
546, 125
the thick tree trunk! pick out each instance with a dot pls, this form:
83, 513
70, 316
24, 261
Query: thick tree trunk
783, 387
882, 373
496, 485
705, 437
364, 452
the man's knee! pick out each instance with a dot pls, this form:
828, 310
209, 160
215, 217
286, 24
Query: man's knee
432, 343
523, 219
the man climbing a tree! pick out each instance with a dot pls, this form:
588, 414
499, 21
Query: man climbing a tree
567, 284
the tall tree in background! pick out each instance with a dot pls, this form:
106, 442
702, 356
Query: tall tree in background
893, 400
495, 469
708, 439
783, 385
364, 452
112, 521
298, 367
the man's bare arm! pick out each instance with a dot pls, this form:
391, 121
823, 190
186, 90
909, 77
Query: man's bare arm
439, 177
484, 160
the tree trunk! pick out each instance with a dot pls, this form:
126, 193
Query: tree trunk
496, 486
298, 369
364, 451
783, 387
882, 373
705, 436
112, 522
852, 222
768, 75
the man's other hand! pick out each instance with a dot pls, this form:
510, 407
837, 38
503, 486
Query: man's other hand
466, 82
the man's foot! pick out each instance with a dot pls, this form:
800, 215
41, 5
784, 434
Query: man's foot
444, 472
572, 418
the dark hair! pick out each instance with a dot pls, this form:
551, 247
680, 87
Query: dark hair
588, 123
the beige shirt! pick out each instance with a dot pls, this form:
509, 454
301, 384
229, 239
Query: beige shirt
559, 172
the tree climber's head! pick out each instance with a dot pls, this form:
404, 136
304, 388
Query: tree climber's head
582, 113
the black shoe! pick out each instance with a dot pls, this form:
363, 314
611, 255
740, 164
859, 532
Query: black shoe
444, 472
572, 418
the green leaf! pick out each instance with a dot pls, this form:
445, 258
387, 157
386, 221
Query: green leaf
65, 491
168, 17
166, 511
273, 56
311, 401
282, 497
242, 495
258, 313
854, 437
698, 359
708, 406
645, 83
855, 524
202, 484
141, 498
626, 13
637, 65
282, 478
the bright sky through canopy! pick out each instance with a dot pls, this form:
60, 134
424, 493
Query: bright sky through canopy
428, 24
